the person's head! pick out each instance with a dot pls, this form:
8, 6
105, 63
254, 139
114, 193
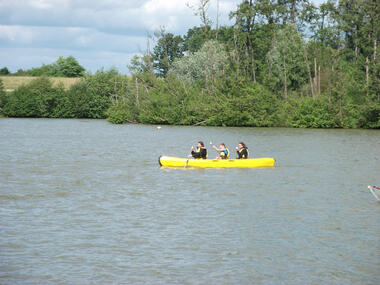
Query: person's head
241, 145
222, 146
201, 144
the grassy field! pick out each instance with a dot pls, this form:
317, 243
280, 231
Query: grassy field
12, 82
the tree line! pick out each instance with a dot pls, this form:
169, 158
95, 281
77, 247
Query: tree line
63, 67
281, 63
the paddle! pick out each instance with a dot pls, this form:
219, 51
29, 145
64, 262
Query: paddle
372, 189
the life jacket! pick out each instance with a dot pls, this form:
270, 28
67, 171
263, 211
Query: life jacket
225, 154
241, 150
198, 150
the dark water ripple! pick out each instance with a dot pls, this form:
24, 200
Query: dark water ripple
84, 202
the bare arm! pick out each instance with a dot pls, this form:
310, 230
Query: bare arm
217, 149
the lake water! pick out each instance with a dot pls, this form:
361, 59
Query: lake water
85, 202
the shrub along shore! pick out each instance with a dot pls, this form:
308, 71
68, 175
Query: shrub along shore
147, 99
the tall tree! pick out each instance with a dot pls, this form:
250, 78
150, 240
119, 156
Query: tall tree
201, 10
69, 67
205, 65
288, 60
167, 49
195, 38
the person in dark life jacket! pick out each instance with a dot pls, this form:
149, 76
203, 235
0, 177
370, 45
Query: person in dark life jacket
242, 151
200, 152
224, 152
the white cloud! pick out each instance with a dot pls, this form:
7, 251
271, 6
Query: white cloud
40, 4
67, 37
113, 16
15, 34
95, 32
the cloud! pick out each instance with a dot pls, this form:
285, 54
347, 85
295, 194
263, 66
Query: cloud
75, 38
120, 17
106, 28
92, 31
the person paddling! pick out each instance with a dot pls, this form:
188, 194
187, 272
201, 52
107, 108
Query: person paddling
242, 151
200, 152
224, 152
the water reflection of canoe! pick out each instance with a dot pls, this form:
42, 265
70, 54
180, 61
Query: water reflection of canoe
375, 191
169, 161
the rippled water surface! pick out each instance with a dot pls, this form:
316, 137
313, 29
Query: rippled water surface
85, 202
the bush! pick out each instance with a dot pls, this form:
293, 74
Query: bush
163, 102
91, 97
85, 102
120, 113
4, 71
309, 113
63, 67
35, 99
371, 116
250, 105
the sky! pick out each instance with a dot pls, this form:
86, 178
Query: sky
98, 33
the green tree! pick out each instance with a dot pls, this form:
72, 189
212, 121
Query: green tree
164, 103
288, 60
167, 49
246, 104
69, 67
324, 25
312, 113
44, 70
263, 57
64, 67
201, 11
139, 64
35, 99
195, 38
91, 97
4, 71
205, 65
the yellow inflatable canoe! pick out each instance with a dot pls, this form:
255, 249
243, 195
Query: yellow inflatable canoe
170, 161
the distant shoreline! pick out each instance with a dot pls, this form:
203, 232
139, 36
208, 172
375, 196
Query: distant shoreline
161, 126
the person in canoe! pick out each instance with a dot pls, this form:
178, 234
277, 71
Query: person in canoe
224, 152
242, 151
200, 152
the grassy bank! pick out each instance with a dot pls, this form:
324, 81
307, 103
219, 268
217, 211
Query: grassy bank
13, 82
